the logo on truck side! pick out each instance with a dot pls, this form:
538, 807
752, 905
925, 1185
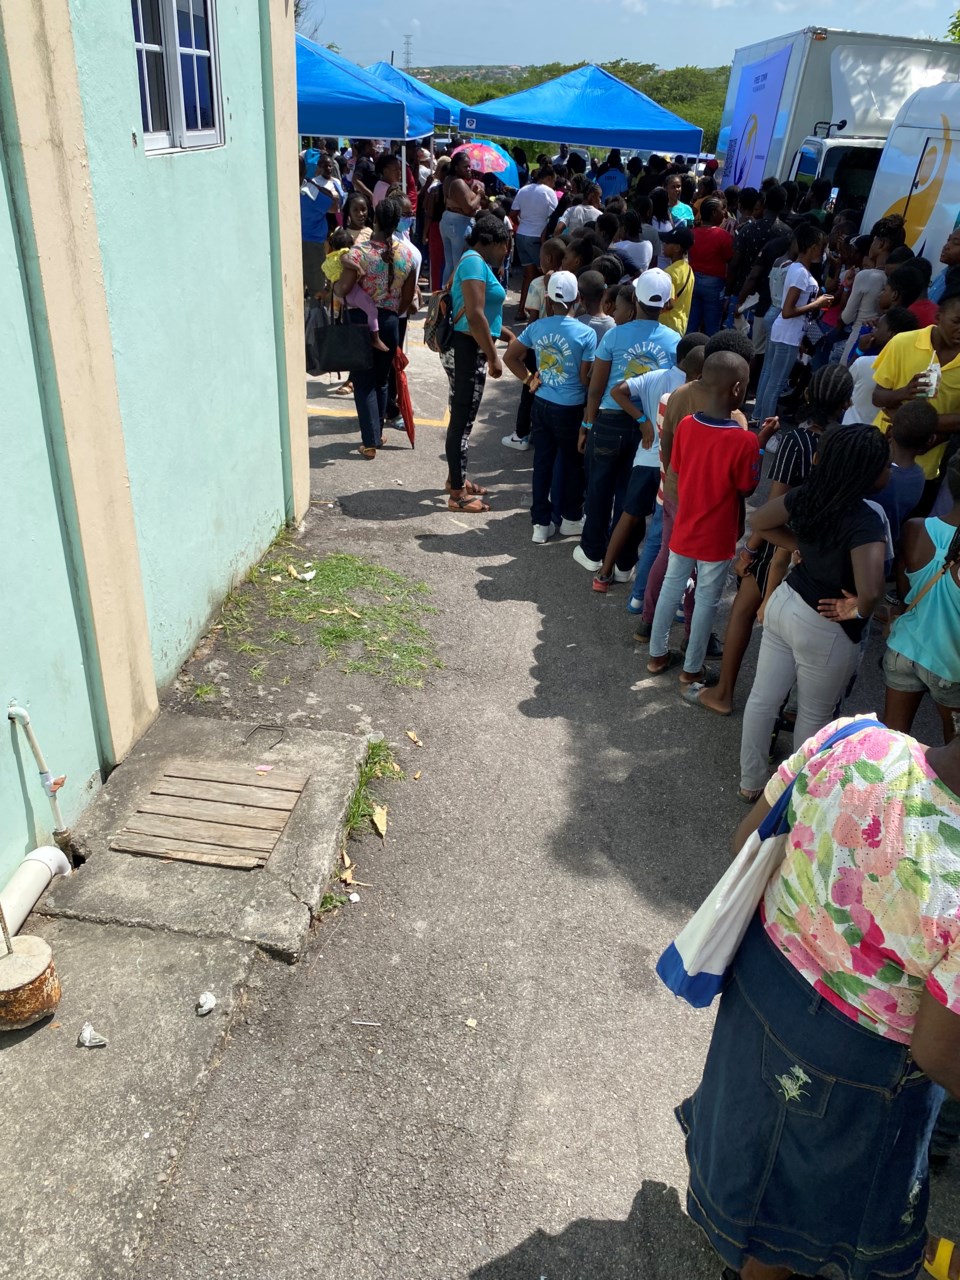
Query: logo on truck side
916, 208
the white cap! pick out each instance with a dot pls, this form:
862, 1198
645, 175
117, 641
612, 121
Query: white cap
563, 287
654, 288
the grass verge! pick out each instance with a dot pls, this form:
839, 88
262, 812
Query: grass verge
365, 618
378, 763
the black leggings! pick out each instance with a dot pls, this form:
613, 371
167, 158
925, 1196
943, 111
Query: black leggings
466, 368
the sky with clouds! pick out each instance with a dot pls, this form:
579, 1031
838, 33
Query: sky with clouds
669, 32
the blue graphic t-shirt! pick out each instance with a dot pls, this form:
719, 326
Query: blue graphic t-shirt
561, 345
634, 349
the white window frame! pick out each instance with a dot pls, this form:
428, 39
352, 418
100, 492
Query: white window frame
178, 137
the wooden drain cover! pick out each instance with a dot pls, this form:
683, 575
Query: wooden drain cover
220, 814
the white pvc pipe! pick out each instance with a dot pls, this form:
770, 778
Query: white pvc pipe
25, 887
20, 716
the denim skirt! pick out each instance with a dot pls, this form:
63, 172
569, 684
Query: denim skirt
807, 1138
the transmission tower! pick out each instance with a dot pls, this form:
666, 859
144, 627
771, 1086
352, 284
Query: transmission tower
407, 52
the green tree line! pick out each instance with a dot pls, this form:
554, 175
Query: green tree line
694, 93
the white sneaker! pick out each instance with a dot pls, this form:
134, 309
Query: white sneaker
623, 575
513, 441
581, 557
541, 532
571, 528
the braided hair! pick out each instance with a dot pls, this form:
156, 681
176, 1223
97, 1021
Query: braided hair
828, 395
388, 214
850, 460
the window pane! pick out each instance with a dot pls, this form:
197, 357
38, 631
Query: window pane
152, 30
135, 6
201, 39
141, 76
157, 89
188, 76
184, 25
205, 92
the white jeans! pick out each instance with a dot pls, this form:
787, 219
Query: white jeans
798, 644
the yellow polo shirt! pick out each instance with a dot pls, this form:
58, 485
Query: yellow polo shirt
677, 318
904, 356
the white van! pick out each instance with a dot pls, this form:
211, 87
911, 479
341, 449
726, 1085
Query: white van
919, 172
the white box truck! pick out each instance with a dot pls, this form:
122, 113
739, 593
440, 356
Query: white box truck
919, 172
819, 103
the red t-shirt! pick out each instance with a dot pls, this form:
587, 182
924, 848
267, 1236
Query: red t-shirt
712, 250
925, 311
716, 463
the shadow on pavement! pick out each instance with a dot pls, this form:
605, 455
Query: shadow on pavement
656, 1242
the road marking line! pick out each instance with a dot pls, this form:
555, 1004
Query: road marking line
347, 411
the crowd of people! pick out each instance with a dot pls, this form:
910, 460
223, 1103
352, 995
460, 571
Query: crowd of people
673, 341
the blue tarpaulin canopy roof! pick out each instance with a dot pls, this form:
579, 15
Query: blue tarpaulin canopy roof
337, 98
446, 110
589, 107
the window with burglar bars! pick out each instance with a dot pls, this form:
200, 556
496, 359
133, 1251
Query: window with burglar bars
176, 48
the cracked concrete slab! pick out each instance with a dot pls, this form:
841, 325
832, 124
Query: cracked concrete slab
89, 1136
271, 907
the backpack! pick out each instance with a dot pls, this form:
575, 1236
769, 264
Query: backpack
440, 321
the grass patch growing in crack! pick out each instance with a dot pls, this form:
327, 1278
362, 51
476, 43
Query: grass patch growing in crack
365, 617
377, 763
204, 692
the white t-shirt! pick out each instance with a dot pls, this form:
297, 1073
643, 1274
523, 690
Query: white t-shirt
862, 409
636, 255
650, 389
791, 331
579, 216
534, 203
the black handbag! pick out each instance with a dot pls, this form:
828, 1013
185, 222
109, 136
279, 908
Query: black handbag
337, 346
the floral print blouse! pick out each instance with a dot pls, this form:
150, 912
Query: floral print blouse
866, 904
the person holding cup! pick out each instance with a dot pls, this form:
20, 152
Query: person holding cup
924, 363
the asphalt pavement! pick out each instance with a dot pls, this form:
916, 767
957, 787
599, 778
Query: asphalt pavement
472, 1073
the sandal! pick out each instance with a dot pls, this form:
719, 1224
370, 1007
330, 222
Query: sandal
468, 504
691, 694
367, 453
939, 1265
476, 490
749, 797
657, 666
702, 677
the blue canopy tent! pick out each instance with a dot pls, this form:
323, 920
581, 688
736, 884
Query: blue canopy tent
337, 98
446, 110
589, 107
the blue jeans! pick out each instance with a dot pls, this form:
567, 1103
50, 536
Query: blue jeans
370, 386
711, 575
777, 365
611, 448
453, 233
706, 307
651, 549
555, 431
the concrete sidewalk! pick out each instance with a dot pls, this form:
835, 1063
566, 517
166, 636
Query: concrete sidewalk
89, 1138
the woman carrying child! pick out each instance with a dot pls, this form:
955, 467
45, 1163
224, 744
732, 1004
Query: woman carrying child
378, 282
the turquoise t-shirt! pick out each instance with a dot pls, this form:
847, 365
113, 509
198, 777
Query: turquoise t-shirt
562, 344
928, 634
634, 349
682, 215
472, 267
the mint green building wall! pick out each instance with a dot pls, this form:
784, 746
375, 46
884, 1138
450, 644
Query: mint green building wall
186, 252
41, 660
